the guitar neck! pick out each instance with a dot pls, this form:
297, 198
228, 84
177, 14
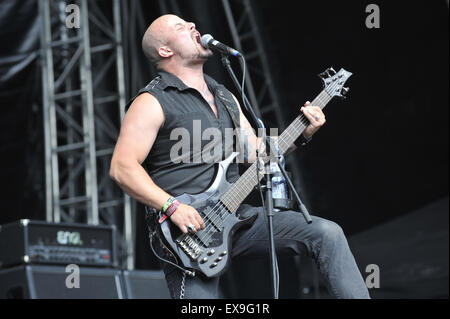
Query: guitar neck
236, 194
293, 131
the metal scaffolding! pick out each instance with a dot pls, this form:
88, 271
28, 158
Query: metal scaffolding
83, 99
247, 39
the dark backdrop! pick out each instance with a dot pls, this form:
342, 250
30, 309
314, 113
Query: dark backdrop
384, 151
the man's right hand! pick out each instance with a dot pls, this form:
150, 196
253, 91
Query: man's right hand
186, 215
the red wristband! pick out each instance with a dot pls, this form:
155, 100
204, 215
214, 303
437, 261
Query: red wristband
172, 208
169, 211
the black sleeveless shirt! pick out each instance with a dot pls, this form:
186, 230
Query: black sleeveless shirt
180, 160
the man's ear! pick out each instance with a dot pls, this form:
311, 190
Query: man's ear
165, 52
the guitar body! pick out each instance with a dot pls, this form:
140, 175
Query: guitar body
208, 250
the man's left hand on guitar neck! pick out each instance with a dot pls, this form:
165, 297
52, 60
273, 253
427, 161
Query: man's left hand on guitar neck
316, 118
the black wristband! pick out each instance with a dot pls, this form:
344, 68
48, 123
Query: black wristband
302, 141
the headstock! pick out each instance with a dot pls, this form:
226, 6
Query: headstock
334, 82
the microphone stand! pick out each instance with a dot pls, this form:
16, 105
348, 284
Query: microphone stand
268, 188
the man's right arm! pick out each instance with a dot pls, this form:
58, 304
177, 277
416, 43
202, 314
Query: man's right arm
137, 135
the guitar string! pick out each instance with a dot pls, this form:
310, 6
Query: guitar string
303, 120
220, 207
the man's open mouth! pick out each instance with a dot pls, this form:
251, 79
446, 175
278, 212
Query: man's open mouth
198, 38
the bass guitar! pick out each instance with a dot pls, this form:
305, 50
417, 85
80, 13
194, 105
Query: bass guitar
208, 251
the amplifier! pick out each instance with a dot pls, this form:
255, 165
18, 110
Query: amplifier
38, 242
50, 282
145, 284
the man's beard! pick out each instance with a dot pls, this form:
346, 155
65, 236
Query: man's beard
204, 56
200, 57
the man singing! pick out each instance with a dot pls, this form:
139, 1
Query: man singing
144, 166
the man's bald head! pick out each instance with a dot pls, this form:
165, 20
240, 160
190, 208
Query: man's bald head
170, 38
156, 37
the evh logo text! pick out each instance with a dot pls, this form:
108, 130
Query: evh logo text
68, 238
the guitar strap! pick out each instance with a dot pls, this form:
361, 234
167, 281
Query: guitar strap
230, 104
228, 101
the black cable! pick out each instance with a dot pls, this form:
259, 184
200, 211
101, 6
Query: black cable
187, 272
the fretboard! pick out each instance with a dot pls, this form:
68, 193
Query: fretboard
236, 194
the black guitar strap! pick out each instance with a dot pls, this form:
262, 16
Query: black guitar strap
228, 101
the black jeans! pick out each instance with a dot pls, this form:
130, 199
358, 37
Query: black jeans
323, 240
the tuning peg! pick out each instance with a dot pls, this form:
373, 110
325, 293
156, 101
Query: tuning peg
323, 75
331, 70
344, 91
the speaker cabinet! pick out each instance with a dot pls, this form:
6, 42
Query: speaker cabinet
49, 282
140, 284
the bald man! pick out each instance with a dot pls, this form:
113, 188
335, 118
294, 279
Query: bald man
144, 166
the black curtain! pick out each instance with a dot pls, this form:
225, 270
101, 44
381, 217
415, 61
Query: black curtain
21, 138
384, 151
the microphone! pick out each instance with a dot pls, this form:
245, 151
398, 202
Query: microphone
208, 42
